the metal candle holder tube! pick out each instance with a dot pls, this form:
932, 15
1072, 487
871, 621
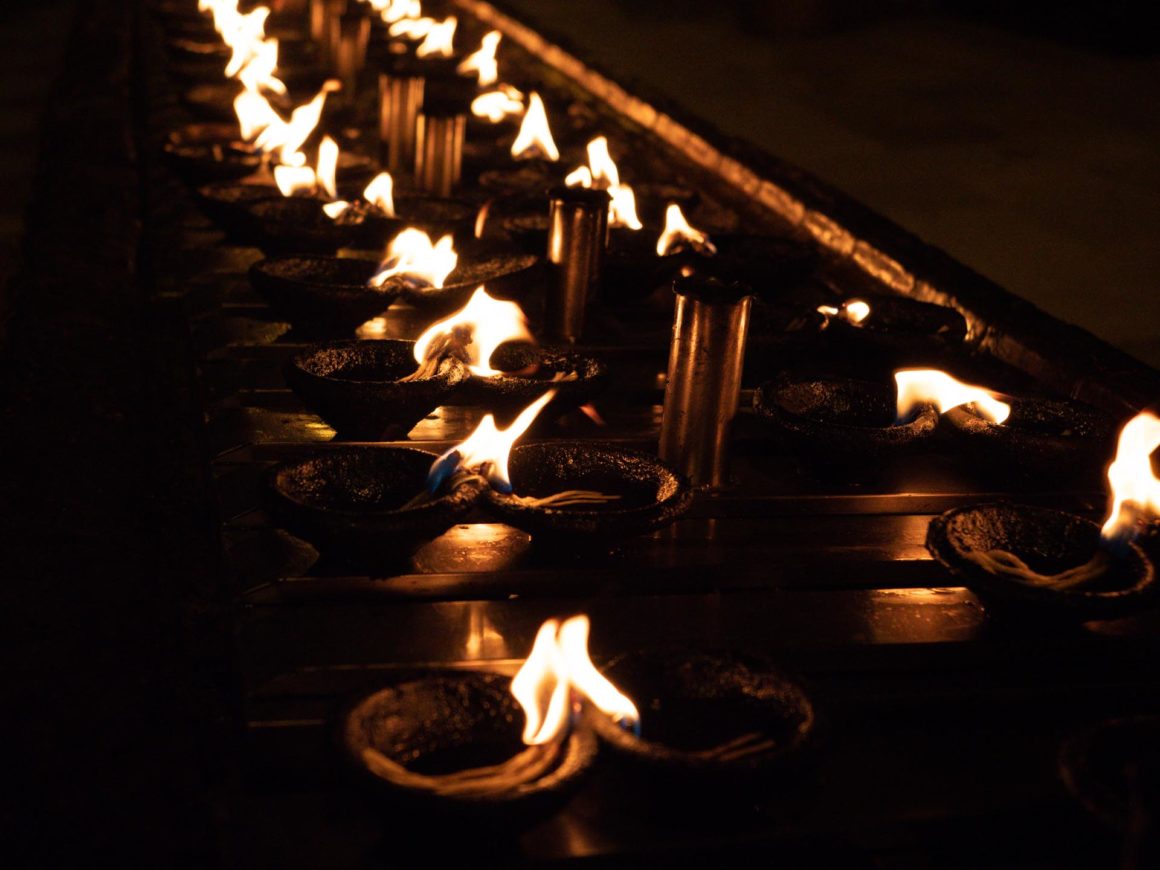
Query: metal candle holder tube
400, 98
706, 359
577, 228
439, 137
354, 34
332, 31
318, 21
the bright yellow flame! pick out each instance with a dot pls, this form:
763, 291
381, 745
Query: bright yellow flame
854, 311
381, 193
679, 233
581, 176
254, 113
490, 321
411, 28
287, 138
391, 11
558, 665
412, 254
483, 60
294, 179
327, 166
543, 676
585, 679
535, 136
602, 173
258, 71
243, 34
496, 105
440, 39
931, 386
1135, 487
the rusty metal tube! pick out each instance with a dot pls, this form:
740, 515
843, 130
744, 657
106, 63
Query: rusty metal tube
577, 228
439, 137
706, 359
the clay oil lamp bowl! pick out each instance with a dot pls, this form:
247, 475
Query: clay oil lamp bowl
357, 505
1039, 561
626, 493
1113, 770
1042, 439
532, 164
322, 295
507, 273
205, 152
227, 204
478, 750
904, 331
368, 390
707, 719
847, 426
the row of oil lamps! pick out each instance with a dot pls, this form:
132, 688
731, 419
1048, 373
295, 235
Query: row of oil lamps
256, 180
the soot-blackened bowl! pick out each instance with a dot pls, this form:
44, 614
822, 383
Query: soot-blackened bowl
227, 204
652, 495
355, 386
1049, 541
529, 373
322, 295
506, 274
442, 722
691, 702
905, 331
846, 424
351, 503
201, 153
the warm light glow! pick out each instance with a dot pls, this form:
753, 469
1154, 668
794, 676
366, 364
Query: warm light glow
486, 449
541, 688
557, 666
487, 322
294, 179
254, 113
535, 136
380, 193
440, 39
679, 234
287, 138
258, 71
327, 166
854, 311
481, 218
496, 105
603, 174
483, 60
930, 386
411, 28
412, 255
391, 11
1135, 487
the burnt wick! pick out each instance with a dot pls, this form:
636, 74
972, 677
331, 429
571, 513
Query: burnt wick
451, 344
1003, 563
568, 498
526, 767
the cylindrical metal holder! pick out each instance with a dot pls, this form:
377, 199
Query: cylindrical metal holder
355, 33
439, 137
577, 227
706, 359
332, 32
400, 98
318, 21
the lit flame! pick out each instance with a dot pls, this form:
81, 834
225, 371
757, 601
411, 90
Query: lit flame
558, 665
481, 218
411, 28
535, 136
498, 104
486, 449
440, 39
287, 137
489, 322
254, 113
602, 173
679, 234
1135, 487
381, 193
931, 386
391, 11
258, 70
295, 179
327, 166
854, 311
483, 61
412, 254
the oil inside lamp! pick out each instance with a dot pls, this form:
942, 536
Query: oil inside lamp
679, 235
535, 136
412, 256
472, 334
504, 102
379, 196
549, 687
1135, 498
483, 62
853, 311
917, 387
602, 173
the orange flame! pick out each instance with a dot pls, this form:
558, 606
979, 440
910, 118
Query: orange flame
679, 234
486, 449
558, 665
258, 70
379, 194
491, 322
411, 28
483, 60
254, 113
602, 172
853, 311
411, 254
440, 39
391, 11
931, 386
535, 136
1135, 487
287, 137
295, 179
498, 104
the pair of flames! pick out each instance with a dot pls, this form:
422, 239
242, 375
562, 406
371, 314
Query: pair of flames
391, 11
1134, 486
602, 173
253, 57
438, 37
